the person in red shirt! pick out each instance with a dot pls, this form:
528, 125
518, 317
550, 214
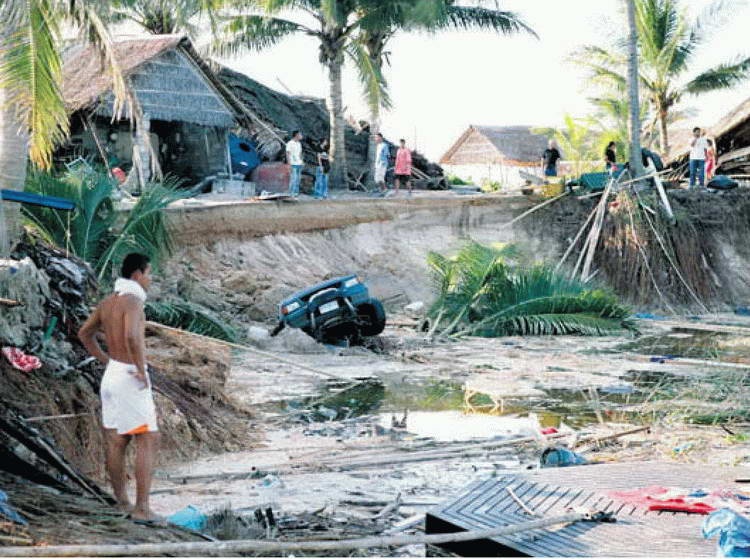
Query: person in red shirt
403, 166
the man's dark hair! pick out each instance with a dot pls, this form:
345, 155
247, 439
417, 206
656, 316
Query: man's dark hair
380, 135
294, 133
402, 141
134, 262
697, 129
611, 145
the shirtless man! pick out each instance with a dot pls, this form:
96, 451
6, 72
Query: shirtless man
128, 409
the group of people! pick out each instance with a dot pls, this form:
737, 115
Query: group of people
403, 165
702, 166
702, 158
296, 163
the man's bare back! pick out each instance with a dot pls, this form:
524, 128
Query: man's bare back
128, 410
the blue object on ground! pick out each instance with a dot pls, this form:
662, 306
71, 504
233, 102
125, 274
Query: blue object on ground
742, 311
8, 512
662, 358
649, 316
559, 457
189, 517
733, 530
53, 202
244, 154
618, 389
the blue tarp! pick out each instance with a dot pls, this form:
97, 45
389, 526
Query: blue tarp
733, 530
9, 512
244, 154
189, 517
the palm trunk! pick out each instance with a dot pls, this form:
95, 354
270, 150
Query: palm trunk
338, 173
663, 132
13, 162
371, 145
636, 165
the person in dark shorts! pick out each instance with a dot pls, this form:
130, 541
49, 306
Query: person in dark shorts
550, 157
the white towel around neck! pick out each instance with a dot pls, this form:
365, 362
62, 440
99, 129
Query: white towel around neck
125, 286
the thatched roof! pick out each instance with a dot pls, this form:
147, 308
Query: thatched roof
509, 145
170, 81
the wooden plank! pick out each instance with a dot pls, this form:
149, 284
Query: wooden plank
546, 492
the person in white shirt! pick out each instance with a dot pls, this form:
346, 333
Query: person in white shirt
294, 160
698, 147
382, 153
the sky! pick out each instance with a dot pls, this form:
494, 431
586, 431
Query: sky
440, 84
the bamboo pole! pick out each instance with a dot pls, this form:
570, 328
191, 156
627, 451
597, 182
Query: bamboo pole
266, 547
9, 302
250, 349
532, 210
575, 239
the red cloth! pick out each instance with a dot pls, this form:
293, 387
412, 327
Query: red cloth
657, 498
548, 431
20, 360
403, 161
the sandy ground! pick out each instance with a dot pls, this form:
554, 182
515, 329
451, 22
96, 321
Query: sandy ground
355, 466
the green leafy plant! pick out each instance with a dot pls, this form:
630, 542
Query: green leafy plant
191, 317
481, 294
95, 231
455, 180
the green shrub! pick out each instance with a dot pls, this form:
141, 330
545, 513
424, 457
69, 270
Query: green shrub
481, 294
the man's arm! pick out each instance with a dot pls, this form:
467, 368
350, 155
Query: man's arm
87, 335
134, 326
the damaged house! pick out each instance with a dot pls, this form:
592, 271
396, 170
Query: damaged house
199, 119
186, 115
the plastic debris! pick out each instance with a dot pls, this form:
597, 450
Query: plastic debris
742, 311
733, 530
9, 512
20, 360
560, 457
189, 517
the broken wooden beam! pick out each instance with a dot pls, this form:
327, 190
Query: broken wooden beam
265, 547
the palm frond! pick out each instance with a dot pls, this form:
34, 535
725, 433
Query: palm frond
146, 229
374, 84
31, 72
191, 317
254, 33
480, 294
723, 76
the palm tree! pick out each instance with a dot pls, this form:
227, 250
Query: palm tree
668, 42
166, 16
33, 119
333, 23
578, 142
423, 15
481, 294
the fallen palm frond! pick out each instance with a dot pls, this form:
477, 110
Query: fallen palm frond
481, 294
191, 317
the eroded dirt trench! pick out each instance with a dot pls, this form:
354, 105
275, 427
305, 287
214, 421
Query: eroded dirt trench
416, 417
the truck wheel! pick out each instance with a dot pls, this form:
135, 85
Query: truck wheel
372, 317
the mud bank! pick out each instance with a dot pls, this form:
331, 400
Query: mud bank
244, 258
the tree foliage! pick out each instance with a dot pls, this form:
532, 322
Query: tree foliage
481, 293
95, 231
668, 41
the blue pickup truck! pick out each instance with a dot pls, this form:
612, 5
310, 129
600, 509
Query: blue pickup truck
334, 311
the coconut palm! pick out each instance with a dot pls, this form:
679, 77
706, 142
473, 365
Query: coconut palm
166, 16
578, 143
333, 23
33, 119
394, 16
634, 100
668, 41
480, 293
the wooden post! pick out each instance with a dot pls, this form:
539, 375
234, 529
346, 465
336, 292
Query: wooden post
660, 188
228, 153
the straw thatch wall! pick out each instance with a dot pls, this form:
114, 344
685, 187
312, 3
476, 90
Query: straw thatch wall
171, 88
516, 146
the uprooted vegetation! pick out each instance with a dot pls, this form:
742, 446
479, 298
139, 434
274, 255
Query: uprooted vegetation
694, 262
482, 293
